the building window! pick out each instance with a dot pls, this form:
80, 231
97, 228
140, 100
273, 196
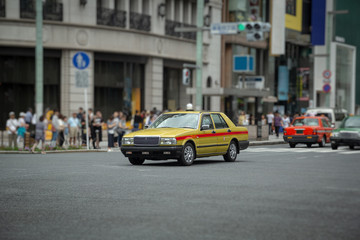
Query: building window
52, 10
2, 8
291, 7
111, 17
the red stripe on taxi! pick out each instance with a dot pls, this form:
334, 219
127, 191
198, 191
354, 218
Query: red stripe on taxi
210, 135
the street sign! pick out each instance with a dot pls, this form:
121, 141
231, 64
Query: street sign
81, 79
252, 82
224, 28
243, 63
81, 60
327, 74
327, 88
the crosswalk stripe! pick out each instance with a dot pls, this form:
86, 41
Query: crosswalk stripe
302, 150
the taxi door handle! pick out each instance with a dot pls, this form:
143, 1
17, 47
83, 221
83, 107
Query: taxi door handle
213, 131
229, 130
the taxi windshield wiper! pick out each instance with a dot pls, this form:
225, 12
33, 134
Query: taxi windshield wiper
164, 127
187, 127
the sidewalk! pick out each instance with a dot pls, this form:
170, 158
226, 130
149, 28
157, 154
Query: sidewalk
272, 140
103, 146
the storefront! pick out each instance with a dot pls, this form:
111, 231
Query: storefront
17, 81
118, 83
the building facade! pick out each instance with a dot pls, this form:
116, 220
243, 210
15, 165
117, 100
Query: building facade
136, 57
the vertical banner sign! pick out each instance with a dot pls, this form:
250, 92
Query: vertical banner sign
318, 13
283, 83
81, 62
277, 34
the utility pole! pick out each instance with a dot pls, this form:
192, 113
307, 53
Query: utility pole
199, 47
39, 86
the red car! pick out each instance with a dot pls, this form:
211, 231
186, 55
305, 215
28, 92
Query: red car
308, 130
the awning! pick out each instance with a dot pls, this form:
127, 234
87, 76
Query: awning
237, 92
270, 99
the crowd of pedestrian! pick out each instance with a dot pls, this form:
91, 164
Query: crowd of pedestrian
275, 121
65, 132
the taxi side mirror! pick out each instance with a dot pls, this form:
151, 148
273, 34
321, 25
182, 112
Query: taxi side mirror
146, 126
205, 127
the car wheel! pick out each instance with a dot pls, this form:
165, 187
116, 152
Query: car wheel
334, 146
351, 147
323, 142
231, 153
136, 161
308, 145
292, 145
188, 155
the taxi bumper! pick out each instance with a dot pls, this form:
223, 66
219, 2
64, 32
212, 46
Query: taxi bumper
243, 145
301, 138
152, 153
345, 141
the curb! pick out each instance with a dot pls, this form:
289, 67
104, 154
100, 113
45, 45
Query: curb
52, 152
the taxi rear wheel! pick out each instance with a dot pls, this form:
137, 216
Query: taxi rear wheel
292, 145
334, 146
231, 154
188, 155
323, 142
352, 147
136, 161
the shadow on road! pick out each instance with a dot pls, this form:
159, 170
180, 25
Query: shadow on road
199, 162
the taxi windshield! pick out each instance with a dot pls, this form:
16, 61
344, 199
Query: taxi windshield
352, 122
306, 122
177, 120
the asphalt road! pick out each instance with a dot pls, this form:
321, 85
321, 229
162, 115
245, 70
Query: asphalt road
270, 192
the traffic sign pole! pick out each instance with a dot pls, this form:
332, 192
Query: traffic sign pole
81, 61
39, 83
199, 60
86, 119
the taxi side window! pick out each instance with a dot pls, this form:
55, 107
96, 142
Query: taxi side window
206, 120
325, 123
219, 121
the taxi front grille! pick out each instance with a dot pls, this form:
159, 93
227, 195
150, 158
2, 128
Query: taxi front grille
146, 141
348, 135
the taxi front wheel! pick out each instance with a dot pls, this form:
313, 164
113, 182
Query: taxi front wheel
188, 155
231, 154
136, 161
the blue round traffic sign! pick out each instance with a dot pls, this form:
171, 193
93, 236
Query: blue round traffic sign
326, 88
81, 60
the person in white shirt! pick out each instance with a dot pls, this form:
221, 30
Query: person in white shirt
74, 125
12, 124
270, 118
286, 121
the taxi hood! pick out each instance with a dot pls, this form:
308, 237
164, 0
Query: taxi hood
162, 132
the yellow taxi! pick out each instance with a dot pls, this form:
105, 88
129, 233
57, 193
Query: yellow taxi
185, 136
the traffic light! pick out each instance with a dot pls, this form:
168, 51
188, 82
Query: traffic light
186, 76
254, 30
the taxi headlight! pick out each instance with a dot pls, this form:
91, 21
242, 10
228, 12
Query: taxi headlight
168, 141
127, 141
335, 134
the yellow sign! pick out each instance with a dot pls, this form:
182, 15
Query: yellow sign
293, 16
